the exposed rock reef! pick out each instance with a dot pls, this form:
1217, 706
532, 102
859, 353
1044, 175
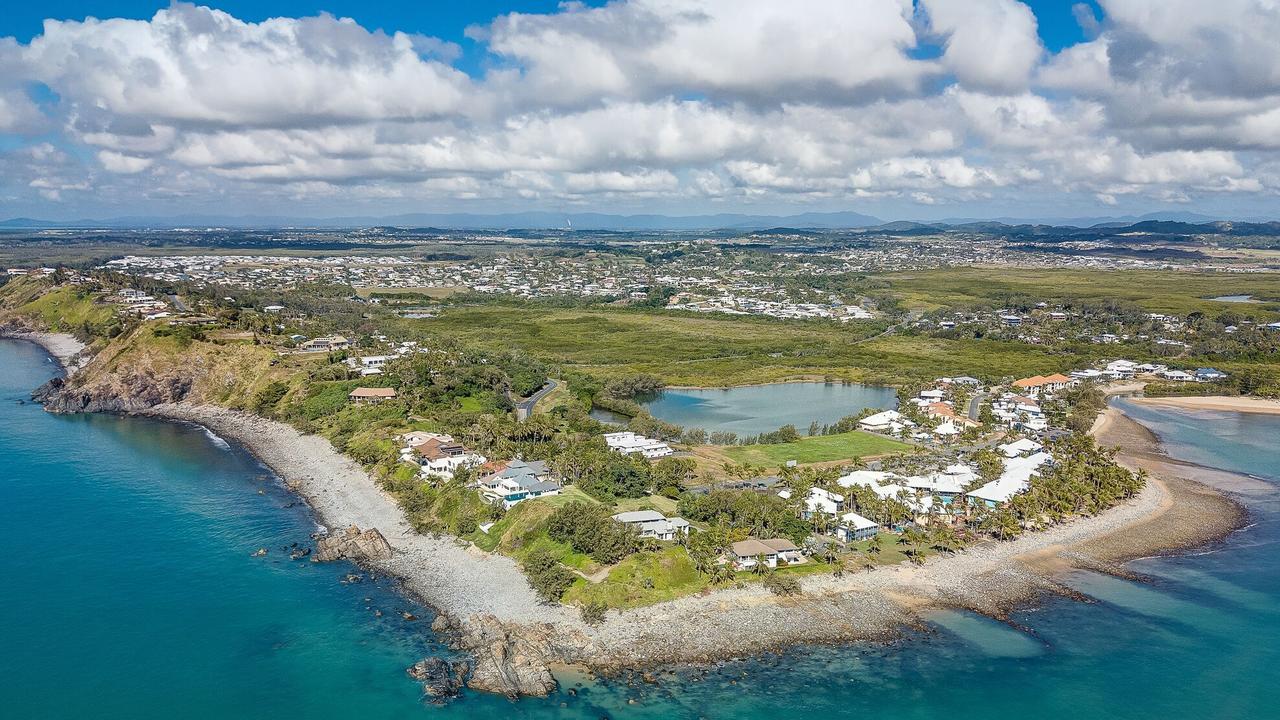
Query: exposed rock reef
440, 679
352, 544
514, 659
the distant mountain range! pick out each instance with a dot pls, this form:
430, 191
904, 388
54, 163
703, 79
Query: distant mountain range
469, 221
1175, 222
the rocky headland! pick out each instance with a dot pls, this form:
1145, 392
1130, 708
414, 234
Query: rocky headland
489, 611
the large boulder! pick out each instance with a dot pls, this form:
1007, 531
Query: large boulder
440, 678
352, 544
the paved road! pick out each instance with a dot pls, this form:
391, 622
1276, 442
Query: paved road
975, 405
524, 408
181, 306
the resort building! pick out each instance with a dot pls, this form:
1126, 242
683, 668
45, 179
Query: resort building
364, 395
518, 480
1037, 385
629, 443
1015, 479
653, 524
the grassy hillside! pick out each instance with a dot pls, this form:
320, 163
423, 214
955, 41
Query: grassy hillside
66, 309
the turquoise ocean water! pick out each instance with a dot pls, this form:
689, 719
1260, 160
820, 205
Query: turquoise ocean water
128, 590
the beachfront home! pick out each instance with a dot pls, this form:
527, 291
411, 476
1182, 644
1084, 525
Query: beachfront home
854, 527
1015, 479
439, 457
748, 553
366, 395
1176, 376
518, 480
1122, 369
628, 443
653, 524
1209, 375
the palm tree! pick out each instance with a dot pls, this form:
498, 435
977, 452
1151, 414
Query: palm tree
760, 568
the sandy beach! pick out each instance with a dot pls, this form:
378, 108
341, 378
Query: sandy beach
62, 347
1243, 404
474, 588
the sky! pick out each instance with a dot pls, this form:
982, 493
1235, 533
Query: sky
902, 109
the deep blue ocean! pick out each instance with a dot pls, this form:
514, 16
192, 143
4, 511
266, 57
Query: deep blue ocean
128, 589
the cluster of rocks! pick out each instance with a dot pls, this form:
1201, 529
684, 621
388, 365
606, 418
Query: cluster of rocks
440, 678
123, 393
352, 544
511, 659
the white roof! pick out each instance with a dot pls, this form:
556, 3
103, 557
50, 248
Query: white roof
867, 478
825, 495
881, 418
639, 516
946, 428
857, 522
1016, 478
1018, 447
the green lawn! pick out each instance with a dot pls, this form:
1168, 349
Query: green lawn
642, 579
664, 505
819, 448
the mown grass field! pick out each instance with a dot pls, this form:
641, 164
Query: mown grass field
816, 449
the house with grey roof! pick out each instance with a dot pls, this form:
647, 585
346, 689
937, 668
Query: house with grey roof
519, 480
653, 524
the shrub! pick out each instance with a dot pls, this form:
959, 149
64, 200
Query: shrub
547, 576
268, 397
779, 584
593, 613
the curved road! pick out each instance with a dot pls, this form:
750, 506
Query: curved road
524, 408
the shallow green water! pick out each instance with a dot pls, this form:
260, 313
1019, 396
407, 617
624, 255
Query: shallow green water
757, 409
129, 591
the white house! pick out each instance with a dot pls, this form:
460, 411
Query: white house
881, 421
854, 527
442, 457
748, 553
518, 480
1019, 447
628, 443
653, 524
822, 501
1015, 479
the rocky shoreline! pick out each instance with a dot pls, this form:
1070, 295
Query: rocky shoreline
489, 611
